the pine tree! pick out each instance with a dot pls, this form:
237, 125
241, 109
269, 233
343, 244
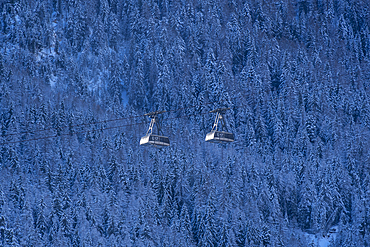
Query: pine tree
40, 220
240, 231
98, 37
208, 227
136, 90
161, 95
185, 224
80, 27
17, 193
33, 32
113, 31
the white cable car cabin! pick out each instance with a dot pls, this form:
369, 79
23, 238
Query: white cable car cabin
152, 139
216, 136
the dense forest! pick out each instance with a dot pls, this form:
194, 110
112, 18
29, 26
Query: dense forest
77, 76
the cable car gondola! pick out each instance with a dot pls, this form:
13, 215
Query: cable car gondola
219, 136
153, 139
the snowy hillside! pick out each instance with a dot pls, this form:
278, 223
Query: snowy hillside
77, 77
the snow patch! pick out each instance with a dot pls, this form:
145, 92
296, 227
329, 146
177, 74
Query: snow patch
18, 19
323, 240
53, 80
124, 97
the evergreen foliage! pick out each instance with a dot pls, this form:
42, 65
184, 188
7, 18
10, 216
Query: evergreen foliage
74, 76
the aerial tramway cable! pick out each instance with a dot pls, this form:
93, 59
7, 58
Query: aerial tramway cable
99, 129
97, 122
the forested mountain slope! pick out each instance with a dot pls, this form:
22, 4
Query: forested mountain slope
77, 76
